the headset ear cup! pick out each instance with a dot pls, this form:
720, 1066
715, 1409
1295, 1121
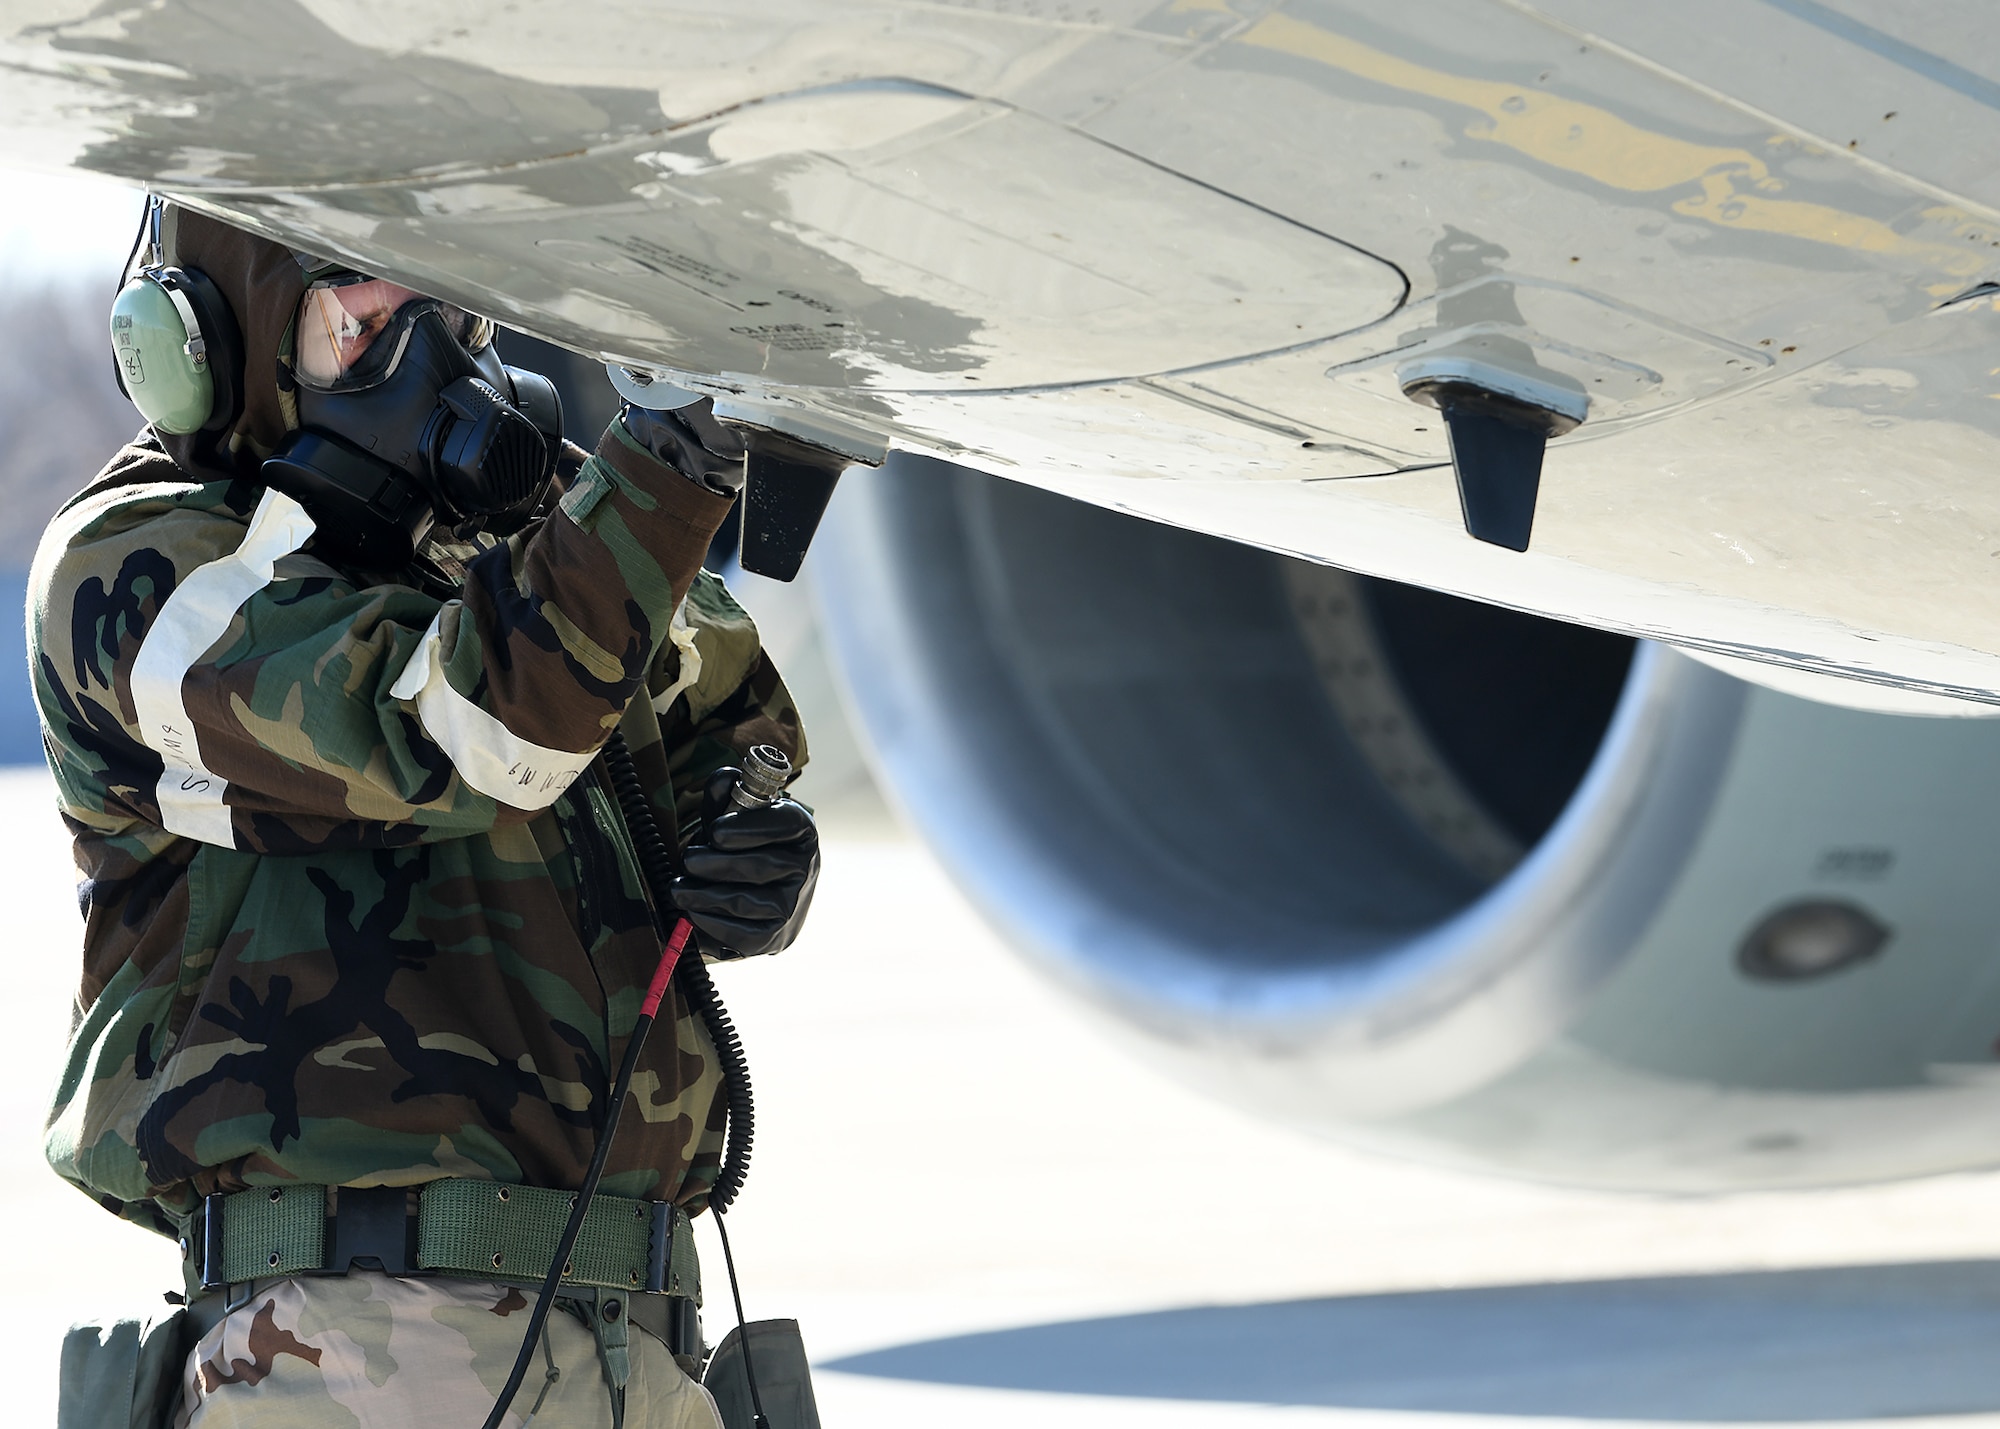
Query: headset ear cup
149, 336
153, 321
225, 345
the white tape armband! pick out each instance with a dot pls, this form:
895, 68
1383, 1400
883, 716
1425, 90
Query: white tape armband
195, 616
488, 756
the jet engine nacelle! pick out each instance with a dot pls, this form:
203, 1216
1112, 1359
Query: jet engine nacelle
1429, 875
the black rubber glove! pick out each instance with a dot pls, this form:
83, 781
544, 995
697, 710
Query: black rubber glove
692, 442
749, 877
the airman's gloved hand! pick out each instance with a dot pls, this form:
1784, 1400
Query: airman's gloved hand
749, 875
692, 442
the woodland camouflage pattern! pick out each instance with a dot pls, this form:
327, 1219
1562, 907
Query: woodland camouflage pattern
390, 976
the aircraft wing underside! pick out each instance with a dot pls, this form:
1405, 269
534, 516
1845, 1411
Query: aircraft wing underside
1180, 258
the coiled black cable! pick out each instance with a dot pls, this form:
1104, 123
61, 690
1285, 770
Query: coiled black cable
699, 988
656, 862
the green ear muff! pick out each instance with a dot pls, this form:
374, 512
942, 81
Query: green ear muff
167, 380
175, 345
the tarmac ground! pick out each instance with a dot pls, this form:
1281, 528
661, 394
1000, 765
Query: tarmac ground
983, 1214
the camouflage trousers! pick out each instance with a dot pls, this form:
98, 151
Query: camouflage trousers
368, 1351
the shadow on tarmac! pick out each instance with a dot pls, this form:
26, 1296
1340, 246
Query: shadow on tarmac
1845, 1342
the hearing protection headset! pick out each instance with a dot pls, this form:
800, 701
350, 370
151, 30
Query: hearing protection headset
176, 345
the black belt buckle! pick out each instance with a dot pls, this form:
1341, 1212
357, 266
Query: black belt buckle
682, 1330
660, 1248
208, 1252
372, 1228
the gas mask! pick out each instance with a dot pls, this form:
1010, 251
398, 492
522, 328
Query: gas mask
408, 420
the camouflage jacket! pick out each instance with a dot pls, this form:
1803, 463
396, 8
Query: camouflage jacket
358, 906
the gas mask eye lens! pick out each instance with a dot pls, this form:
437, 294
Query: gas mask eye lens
351, 330
338, 323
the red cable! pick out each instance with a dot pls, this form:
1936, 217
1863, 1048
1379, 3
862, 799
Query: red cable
663, 974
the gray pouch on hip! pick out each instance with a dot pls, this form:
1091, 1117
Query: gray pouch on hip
777, 1355
125, 1375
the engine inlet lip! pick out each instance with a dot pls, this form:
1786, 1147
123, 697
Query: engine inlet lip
1810, 939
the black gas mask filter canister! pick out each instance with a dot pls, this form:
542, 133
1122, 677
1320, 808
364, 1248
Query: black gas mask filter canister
448, 437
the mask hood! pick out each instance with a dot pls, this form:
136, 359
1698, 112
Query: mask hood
262, 283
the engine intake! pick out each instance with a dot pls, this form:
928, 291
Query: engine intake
1417, 872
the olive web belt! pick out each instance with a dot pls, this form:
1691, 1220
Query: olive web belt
448, 1227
